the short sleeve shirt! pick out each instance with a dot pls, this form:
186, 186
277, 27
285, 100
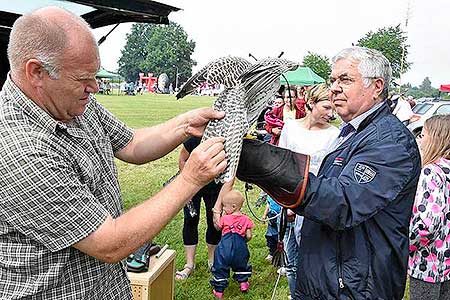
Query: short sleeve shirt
235, 224
58, 184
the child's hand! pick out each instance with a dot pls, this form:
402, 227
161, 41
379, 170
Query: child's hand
216, 217
290, 215
263, 219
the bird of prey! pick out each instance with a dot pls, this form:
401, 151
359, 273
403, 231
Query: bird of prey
248, 89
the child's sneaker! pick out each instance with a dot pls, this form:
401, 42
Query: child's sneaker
244, 286
269, 258
218, 295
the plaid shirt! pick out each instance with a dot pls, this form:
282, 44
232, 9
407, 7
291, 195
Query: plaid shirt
58, 184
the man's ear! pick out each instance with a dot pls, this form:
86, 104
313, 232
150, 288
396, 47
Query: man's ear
34, 72
378, 87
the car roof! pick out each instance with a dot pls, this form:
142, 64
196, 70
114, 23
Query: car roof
96, 13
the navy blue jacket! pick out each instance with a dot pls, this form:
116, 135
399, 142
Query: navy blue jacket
355, 233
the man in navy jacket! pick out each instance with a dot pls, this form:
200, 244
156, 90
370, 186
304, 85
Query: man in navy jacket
357, 209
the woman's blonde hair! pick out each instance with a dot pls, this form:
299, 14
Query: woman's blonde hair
438, 129
317, 93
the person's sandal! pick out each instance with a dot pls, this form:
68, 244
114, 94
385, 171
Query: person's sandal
185, 273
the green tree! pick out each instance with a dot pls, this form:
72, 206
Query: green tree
391, 41
134, 53
157, 49
423, 90
427, 89
319, 64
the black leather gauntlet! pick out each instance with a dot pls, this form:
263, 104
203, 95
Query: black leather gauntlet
281, 173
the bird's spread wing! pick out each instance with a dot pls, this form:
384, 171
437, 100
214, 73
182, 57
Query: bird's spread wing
225, 70
232, 127
261, 81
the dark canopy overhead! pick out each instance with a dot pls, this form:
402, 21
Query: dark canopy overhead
108, 12
97, 13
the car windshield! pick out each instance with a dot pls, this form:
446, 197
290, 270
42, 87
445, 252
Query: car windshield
421, 108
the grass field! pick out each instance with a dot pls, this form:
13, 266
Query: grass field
138, 183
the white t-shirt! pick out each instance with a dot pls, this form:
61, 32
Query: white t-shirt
315, 143
403, 110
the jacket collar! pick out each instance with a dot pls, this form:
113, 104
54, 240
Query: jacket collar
381, 111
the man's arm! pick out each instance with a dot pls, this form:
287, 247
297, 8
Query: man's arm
346, 201
154, 142
182, 158
117, 238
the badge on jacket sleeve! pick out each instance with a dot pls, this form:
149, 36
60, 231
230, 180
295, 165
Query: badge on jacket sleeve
363, 173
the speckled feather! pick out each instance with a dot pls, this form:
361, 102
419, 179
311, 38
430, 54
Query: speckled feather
225, 70
246, 94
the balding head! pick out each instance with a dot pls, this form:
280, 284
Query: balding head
46, 34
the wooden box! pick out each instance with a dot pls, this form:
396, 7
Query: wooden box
158, 282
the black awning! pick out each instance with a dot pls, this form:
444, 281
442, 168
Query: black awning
100, 13
108, 12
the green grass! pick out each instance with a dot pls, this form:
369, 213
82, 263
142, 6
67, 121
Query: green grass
138, 183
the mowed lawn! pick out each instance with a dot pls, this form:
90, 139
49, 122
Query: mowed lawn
139, 183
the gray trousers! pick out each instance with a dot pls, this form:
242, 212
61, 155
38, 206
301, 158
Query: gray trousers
421, 290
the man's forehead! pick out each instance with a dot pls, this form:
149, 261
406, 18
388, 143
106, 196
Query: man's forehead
345, 66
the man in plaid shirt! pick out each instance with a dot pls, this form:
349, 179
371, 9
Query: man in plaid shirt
62, 231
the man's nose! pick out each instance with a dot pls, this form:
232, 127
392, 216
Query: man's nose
92, 87
335, 87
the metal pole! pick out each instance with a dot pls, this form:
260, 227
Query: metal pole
176, 79
408, 11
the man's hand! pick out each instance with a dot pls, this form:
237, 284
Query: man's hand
206, 161
198, 118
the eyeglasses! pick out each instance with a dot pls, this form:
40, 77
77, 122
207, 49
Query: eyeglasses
345, 81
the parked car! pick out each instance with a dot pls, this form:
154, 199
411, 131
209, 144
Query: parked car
424, 110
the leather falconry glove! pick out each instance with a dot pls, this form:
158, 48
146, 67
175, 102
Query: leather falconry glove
281, 173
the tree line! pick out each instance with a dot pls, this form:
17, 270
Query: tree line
168, 49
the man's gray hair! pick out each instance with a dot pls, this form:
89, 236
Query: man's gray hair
372, 64
34, 36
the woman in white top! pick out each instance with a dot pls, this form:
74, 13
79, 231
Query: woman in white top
311, 135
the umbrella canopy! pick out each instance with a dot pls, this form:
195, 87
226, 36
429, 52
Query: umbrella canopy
102, 73
302, 76
445, 88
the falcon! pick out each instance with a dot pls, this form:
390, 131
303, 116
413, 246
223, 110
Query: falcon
248, 89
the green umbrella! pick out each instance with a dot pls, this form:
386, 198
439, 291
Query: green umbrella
302, 76
102, 73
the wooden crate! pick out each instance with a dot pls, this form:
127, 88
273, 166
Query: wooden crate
158, 282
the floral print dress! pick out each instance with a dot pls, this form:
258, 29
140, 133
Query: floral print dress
429, 249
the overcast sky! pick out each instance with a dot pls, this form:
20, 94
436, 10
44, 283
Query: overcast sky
265, 28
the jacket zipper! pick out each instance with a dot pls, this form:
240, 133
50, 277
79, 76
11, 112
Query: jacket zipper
339, 267
339, 261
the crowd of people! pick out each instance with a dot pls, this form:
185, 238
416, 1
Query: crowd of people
366, 206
